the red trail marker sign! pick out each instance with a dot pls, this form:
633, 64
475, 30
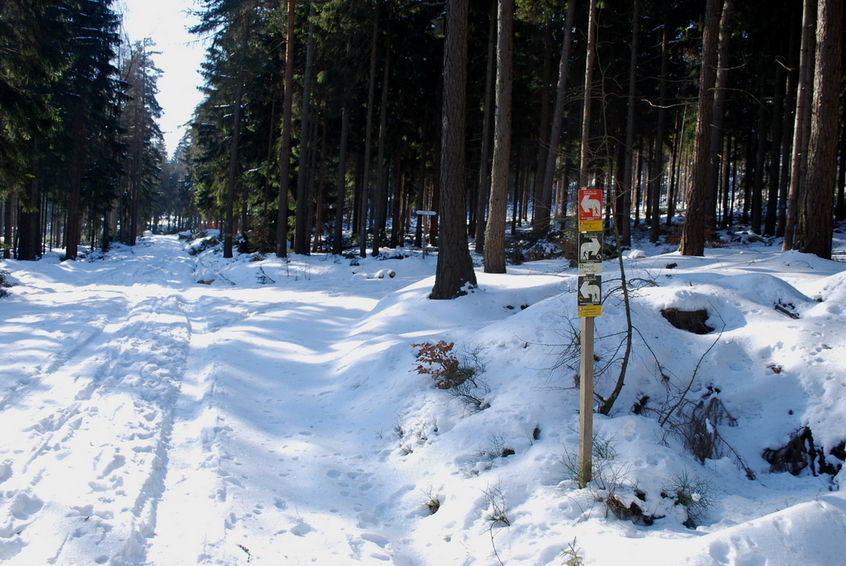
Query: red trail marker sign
590, 210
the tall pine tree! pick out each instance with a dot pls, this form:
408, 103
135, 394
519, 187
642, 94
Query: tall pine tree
90, 97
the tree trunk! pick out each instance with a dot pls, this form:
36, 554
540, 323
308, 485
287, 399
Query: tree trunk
815, 223
658, 162
485, 152
757, 204
618, 198
775, 153
623, 212
229, 232
285, 150
136, 167
422, 178
840, 206
304, 197
517, 199
420, 198
340, 180
455, 267
380, 197
29, 218
748, 178
558, 111
674, 166
720, 90
636, 203
725, 179
801, 137
788, 122
584, 152
365, 177
72, 227
8, 219
399, 200
435, 194
693, 231
495, 231
542, 209
563, 194
317, 203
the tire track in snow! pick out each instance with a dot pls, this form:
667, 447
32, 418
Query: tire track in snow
250, 474
124, 379
78, 341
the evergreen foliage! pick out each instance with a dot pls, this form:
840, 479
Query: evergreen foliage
81, 157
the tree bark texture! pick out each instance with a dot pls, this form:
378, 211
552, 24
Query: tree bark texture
816, 219
756, 216
658, 161
73, 226
302, 219
229, 231
365, 177
542, 204
485, 151
498, 205
720, 90
801, 137
775, 153
285, 150
340, 180
29, 217
455, 267
693, 231
380, 197
590, 58
623, 201
557, 114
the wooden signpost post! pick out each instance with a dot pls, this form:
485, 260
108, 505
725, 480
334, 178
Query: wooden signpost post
590, 306
420, 214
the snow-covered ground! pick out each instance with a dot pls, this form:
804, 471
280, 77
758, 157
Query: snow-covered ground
273, 415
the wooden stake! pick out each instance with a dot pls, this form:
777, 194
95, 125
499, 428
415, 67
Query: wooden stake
586, 404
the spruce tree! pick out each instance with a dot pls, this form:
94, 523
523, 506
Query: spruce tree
90, 94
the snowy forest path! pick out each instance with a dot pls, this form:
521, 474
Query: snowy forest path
177, 420
111, 361
259, 444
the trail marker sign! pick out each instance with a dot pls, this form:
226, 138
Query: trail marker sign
590, 295
590, 244
590, 210
589, 306
590, 252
